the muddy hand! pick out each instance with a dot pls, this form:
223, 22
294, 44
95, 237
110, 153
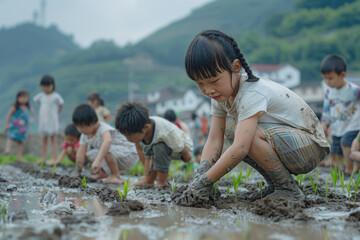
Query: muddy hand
197, 192
203, 168
95, 168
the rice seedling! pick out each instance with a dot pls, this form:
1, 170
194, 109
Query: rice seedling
190, 169
227, 190
53, 170
334, 176
124, 234
356, 185
315, 187
83, 181
341, 177
185, 175
261, 186
348, 188
83, 204
215, 190
3, 212
300, 178
236, 182
248, 173
326, 189
126, 190
174, 184
171, 173
41, 165
247, 233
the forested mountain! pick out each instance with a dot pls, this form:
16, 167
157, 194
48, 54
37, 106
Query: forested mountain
299, 32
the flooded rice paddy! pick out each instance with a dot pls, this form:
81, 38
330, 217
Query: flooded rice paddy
39, 204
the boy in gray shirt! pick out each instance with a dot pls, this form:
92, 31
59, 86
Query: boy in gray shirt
157, 140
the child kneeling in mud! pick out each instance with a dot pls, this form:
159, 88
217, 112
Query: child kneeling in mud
111, 151
157, 140
274, 130
70, 145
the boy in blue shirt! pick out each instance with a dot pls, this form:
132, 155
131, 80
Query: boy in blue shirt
341, 110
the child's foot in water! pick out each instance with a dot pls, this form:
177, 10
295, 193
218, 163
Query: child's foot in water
113, 179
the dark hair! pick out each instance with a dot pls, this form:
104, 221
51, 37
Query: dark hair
84, 114
170, 115
198, 150
72, 130
95, 96
193, 116
212, 52
47, 80
131, 117
20, 94
333, 62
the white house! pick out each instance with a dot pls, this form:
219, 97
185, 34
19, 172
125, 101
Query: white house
285, 74
180, 100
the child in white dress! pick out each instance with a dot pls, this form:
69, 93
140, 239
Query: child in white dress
51, 104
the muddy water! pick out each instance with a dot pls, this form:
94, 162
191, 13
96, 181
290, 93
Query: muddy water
43, 209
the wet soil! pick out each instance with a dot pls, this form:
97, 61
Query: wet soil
38, 197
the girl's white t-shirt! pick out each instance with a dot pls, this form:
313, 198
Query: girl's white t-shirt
276, 104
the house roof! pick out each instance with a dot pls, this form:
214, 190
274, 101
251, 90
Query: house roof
267, 67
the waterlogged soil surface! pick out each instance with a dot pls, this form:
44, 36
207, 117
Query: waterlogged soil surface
40, 204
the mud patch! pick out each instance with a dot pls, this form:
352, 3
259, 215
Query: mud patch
70, 182
280, 209
122, 208
78, 219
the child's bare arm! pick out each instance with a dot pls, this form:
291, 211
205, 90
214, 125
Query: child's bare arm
244, 135
108, 118
213, 146
60, 108
355, 149
104, 149
186, 154
8, 116
60, 157
80, 155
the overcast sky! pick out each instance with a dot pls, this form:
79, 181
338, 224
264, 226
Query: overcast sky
123, 21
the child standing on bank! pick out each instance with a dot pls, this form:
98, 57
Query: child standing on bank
157, 140
70, 145
51, 104
17, 123
275, 131
111, 151
341, 111
97, 103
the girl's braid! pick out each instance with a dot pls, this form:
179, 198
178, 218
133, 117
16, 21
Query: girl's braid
244, 64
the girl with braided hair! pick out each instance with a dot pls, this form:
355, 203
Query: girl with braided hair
273, 130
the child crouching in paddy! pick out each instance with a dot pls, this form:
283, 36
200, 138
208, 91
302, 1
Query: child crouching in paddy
157, 140
274, 130
111, 151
